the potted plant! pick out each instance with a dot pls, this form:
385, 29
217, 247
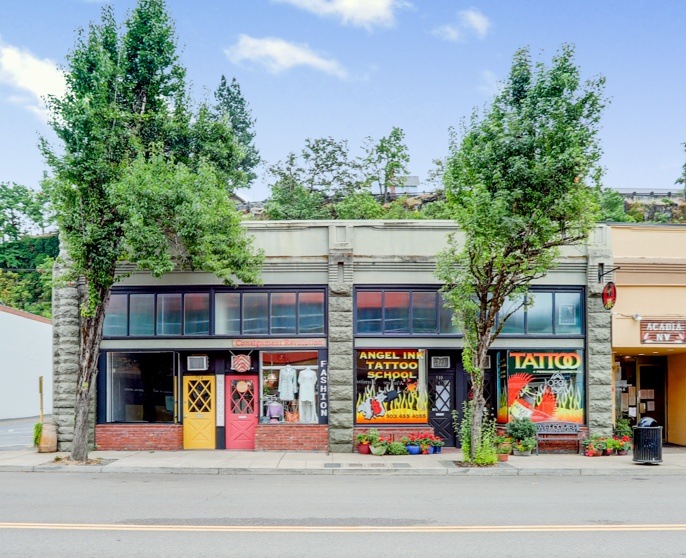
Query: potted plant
520, 429
591, 447
502, 452
412, 443
524, 446
504, 443
604, 445
380, 446
397, 448
437, 442
363, 442
623, 445
426, 443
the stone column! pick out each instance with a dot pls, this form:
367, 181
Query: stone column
598, 337
341, 370
66, 341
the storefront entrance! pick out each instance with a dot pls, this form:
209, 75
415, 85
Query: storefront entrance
442, 387
242, 411
198, 412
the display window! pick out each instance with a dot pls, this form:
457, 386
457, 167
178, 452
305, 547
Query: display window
288, 383
140, 387
543, 385
391, 387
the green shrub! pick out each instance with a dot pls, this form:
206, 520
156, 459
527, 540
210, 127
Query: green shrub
397, 448
37, 433
519, 429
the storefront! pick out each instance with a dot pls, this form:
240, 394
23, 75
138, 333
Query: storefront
212, 369
649, 326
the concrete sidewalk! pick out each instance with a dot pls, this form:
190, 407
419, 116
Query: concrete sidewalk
218, 462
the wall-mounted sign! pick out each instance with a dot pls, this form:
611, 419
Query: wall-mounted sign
609, 295
277, 343
663, 331
241, 363
323, 388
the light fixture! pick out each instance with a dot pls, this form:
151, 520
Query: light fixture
637, 317
641, 354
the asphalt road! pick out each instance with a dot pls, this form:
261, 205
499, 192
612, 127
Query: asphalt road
18, 433
126, 515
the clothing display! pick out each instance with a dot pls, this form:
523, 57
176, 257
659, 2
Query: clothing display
308, 412
307, 381
288, 386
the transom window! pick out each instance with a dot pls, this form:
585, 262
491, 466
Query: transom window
222, 313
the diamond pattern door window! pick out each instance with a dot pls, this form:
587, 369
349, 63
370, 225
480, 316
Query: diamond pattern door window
243, 396
439, 395
200, 396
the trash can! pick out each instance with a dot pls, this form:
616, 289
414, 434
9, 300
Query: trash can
647, 441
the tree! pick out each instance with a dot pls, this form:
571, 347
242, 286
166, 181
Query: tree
682, 179
522, 181
139, 174
359, 205
232, 105
611, 204
385, 163
21, 210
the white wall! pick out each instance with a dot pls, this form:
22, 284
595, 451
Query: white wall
25, 354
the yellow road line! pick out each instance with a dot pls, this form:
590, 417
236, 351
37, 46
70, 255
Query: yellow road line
345, 529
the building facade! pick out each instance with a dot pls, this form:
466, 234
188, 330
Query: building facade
649, 325
348, 332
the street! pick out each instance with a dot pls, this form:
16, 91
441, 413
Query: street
18, 433
122, 515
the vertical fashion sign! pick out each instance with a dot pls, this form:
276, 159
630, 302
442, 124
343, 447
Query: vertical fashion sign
323, 374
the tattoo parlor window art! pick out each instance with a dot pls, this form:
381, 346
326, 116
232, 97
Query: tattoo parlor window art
542, 386
391, 387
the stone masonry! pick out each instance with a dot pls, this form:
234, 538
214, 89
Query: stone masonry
599, 339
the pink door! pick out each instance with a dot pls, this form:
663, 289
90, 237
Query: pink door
241, 411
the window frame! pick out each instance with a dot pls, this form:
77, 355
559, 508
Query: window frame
436, 289
212, 291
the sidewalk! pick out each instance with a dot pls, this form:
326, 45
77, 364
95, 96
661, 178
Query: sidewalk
218, 462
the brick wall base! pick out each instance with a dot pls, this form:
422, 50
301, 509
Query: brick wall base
295, 437
556, 446
395, 433
139, 437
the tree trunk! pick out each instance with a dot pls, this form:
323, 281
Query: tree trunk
478, 405
91, 335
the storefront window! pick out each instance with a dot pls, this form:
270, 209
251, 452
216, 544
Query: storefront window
255, 313
227, 313
196, 310
424, 312
369, 311
140, 387
515, 323
567, 313
310, 313
397, 312
540, 315
169, 314
543, 385
141, 321
288, 383
117, 316
447, 326
391, 387
283, 313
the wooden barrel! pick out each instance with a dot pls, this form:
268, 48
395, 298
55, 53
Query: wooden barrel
48, 439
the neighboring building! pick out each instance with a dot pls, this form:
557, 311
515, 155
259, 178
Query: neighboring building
649, 325
26, 350
347, 333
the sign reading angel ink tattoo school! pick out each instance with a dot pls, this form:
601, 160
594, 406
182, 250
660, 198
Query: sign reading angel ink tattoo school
391, 387
543, 385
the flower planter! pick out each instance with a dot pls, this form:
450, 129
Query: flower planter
608, 452
502, 456
437, 449
431, 449
364, 448
505, 448
524, 453
597, 453
379, 450
414, 450
622, 452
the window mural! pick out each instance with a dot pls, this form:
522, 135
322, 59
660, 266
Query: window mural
545, 385
391, 387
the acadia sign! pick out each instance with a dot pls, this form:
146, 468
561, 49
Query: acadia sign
663, 331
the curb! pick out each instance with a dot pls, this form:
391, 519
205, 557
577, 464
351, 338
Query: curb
434, 472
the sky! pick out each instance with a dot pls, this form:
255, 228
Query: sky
352, 69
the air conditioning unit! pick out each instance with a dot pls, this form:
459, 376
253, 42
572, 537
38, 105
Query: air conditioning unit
197, 363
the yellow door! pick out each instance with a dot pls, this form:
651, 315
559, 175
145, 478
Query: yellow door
198, 412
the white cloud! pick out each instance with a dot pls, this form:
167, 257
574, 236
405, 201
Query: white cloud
470, 21
447, 33
360, 13
277, 55
33, 77
474, 19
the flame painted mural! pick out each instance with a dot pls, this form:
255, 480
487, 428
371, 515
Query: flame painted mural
391, 387
543, 386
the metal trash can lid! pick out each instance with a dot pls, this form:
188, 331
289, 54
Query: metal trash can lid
647, 421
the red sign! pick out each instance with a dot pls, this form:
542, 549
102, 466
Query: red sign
240, 363
277, 343
609, 295
663, 331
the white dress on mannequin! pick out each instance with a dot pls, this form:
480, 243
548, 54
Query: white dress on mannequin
307, 380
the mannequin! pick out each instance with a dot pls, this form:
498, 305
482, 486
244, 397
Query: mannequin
288, 386
307, 381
